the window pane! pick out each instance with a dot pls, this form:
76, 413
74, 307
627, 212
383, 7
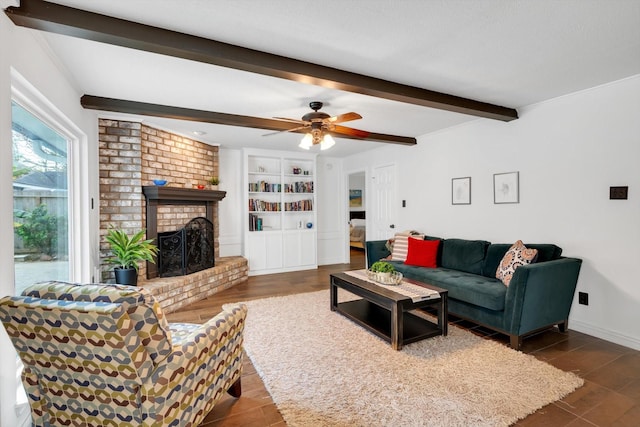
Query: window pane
40, 200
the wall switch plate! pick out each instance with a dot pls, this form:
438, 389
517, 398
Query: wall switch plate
618, 193
583, 298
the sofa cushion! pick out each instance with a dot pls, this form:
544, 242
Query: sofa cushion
496, 251
471, 288
517, 255
464, 255
422, 253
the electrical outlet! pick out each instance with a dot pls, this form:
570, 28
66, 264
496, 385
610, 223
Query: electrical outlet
583, 298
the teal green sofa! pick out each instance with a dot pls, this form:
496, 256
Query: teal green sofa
538, 297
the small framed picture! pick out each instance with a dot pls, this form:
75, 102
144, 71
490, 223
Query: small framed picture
461, 191
506, 187
355, 198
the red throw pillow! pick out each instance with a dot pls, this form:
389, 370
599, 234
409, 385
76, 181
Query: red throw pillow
422, 253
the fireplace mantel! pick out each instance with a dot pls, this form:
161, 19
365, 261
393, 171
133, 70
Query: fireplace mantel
176, 194
158, 195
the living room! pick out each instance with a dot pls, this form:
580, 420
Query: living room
568, 151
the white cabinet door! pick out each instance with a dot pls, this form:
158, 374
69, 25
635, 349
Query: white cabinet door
273, 250
299, 248
264, 251
308, 247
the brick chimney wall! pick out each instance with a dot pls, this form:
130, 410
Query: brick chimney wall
132, 155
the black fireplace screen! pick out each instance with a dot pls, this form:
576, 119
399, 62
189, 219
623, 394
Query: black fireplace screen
187, 250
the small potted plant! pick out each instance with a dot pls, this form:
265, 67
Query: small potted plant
214, 181
128, 251
382, 267
384, 272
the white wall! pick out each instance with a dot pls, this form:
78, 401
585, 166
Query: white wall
568, 152
229, 221
332, 201
24, 51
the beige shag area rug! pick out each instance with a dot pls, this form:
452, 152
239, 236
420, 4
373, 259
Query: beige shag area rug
321, 369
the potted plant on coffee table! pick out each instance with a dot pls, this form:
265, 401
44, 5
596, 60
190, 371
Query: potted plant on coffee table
384, 272
128, 251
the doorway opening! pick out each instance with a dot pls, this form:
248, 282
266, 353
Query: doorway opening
357, 214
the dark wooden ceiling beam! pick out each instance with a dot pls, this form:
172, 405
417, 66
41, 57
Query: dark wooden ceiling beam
155, 110
79, 23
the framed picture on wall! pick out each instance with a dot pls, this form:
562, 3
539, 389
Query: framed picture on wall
506, 187
461, 191
355, 198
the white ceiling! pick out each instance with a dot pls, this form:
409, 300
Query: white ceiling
509, 53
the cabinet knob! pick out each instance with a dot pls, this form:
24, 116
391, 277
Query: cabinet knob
392, 226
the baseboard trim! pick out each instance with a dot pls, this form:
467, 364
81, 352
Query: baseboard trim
605, 334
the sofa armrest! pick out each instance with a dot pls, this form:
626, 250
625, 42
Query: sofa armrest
200, 370
375, 250
540, 295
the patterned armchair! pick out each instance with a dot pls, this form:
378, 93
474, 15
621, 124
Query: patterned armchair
105, 355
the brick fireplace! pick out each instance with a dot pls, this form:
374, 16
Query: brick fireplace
131, 156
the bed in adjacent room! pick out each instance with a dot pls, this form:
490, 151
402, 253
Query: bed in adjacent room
357, 231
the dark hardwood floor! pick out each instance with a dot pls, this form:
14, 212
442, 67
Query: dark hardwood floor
610, 396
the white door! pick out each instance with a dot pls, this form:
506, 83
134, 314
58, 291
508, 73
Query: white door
384, 203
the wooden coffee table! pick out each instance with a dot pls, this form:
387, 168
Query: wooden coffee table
385, 312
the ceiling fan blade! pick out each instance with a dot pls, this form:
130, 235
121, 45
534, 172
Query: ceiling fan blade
372, 136
290, 120
346, 117
351, 131
287, 130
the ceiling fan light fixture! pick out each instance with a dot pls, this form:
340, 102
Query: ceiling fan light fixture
327, 142
307, 141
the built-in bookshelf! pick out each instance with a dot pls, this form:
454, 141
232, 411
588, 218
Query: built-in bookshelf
280, 231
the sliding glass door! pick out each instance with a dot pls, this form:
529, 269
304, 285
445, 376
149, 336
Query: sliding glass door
40, 200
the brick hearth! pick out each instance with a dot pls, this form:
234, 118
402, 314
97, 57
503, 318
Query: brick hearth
175, 292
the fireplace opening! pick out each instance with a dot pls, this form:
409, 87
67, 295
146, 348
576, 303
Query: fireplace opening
187, 250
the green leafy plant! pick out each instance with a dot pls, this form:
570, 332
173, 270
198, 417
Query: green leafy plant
382, 267
39, 229
128, 251
214, 180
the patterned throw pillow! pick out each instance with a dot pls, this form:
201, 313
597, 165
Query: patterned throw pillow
401, 244
517, 255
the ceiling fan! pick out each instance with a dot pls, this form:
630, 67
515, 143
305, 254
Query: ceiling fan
278, 125
318, 127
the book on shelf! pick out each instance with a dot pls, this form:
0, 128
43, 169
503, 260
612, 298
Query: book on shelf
256, 205
300, 205
265, 187
255, 223
299, 187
